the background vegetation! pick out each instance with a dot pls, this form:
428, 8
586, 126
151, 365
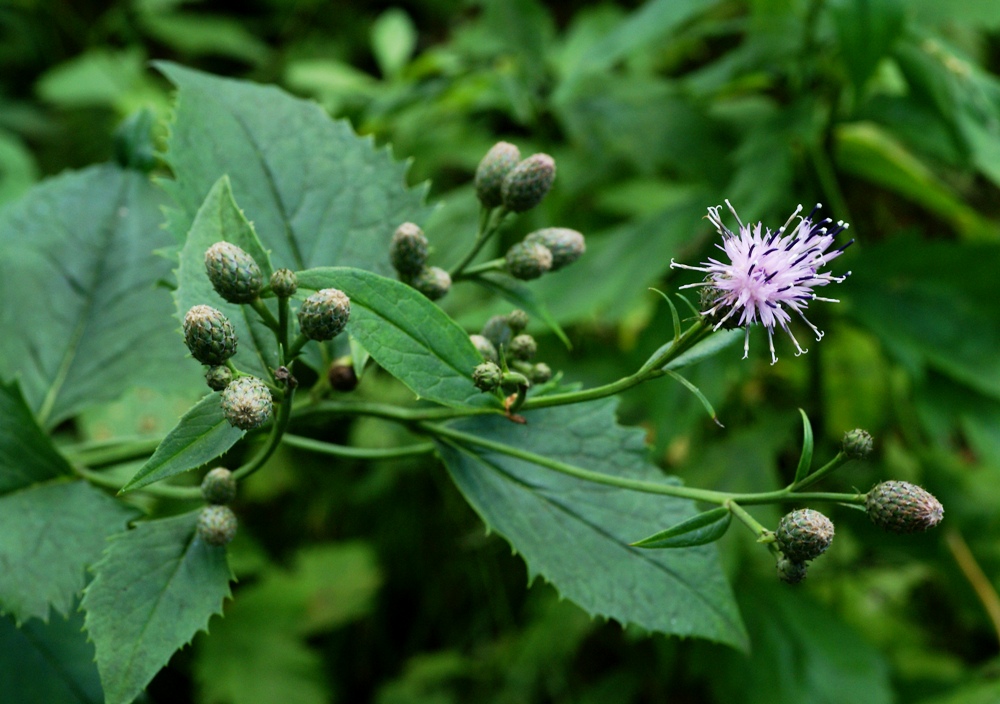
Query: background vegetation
374, 581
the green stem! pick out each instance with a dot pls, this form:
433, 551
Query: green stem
364, 453
284, 359
99, 454
265, 314
487, 229
166, 492
746, 519
390, 412
838, 461
484, 268
296, 347
273, 440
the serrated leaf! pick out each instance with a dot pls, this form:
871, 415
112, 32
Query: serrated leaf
219, 218
79, 289
806, 458
155, 588
317, 193
706, 527
410, 337
576, 534
201, 435
523, 297
48, 662
49, 534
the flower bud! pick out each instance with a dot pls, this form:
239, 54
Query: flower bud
857, 444
804, 534
218, 377
433, 282
209, 335
791, 572
528, 260
218, 486
523, 348
498, 331
901, 507
566, 245
526, 184
246, 403
408, 250
342, 376
284, 283
540, 373
324, 314
518, 320
234, 274
485, 348
498, 162
217, 525
487, 376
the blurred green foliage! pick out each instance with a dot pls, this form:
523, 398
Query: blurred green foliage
382, 583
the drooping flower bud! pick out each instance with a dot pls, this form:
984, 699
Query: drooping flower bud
528, 260
498, 331
791, 572
408, 250
209, 335
901, 507
341, 375
284, 283
526, 184
218, 486
247, 403
857, 444
234, 274
324, 314
498, 162
485, 348
804, 534
218, 377
217, 525
518, 320
433, 282
487, 376
523, 348
540, 373
566, 245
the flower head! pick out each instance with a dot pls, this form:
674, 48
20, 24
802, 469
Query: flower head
769, 273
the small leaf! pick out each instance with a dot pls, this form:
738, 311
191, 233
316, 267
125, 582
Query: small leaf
674, 316
155, 588
393, 40
805, 460
359, 356
523, 297
710, 346
201, 435
706, 527
698, 394
410, 337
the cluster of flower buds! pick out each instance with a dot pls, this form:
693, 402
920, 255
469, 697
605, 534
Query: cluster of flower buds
542, 251
504, 179
408, 253
217, 523
504, 334
802, 536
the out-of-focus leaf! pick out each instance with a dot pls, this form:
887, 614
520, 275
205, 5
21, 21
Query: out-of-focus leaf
866, 31
855, 379
205, 35
394, 37
17, 167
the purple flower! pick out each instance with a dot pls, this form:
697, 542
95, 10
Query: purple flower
769, 273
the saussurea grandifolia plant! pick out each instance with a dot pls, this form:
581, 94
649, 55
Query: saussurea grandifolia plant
331, 280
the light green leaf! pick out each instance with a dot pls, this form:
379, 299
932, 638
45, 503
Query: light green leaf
576, 534
201, 435
523, 297
805, 459
410, 337
393, 40
155, 588
206, 35
706, 527
317, 193
79, 289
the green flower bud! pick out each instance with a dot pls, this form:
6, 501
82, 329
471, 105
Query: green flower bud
218, 377
487, 376
540, 373
498, 331
324, 314
523, 348
433, 282
498, 162
246, 403
526, 184
566, 245
209, 335
518, 320
234, 274
527, 260
219, 486
901, 507
857, 444
284, 283
217, 525
485, 348
804, 534
408, 250
341, 375
791, 572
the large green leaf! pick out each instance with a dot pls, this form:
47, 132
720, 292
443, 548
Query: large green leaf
27, 455
317, 193
576, 534
79, 290
409, 336
153, 590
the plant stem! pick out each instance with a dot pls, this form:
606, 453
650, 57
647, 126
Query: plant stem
484, 268
487, 228
746, 519
100, 454
365, 453
166, 492
284, 359
273, 439
839, 460
265, 314
390, 412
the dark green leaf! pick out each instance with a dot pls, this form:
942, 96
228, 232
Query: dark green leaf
576, 534
155, 588
27, 455
708, 347
201, 435
806, 458
523, 297
706, 527
410, 337
866, 31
